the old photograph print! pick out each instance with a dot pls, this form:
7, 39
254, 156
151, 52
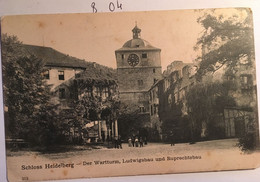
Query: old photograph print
113, 94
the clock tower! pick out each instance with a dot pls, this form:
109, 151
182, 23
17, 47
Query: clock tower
138, 68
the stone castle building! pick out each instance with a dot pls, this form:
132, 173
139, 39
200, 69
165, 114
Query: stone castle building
59, 67
71, 79
138, 68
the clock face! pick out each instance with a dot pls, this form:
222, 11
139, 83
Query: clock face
133, 60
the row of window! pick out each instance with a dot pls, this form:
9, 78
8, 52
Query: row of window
46, 75
245, 80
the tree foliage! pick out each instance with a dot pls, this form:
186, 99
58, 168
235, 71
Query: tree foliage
225, 40
206, 101
31, 115
131, 122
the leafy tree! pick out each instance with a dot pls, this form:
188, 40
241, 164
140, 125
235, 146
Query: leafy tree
88, 106
31, 115
225, 40
131, 121
206, 102
171, 122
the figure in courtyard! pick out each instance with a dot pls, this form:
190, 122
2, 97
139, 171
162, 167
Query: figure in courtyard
119, 142
145, 140
172, 138
116, 141
136, 141
141, 142
133, 141
129, 142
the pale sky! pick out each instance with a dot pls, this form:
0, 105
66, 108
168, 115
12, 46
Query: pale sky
95, 37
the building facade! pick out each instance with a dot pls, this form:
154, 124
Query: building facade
59, 67
138, 68
239, 119
74, 81
97, 104
229, 120
172, 109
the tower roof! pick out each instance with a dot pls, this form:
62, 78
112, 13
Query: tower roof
136, 43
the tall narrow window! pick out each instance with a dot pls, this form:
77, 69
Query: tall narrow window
62, 93
106, 92
99, 91
154, 70
246, 79
154, 109
122, 56
142, 109
61, 75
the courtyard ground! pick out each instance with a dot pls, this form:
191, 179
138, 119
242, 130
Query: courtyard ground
152, 158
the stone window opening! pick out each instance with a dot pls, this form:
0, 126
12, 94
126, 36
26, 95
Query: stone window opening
89, 92
155, 109
99, 91
144, 55
106, 92
141, 109
246, 79
61, 75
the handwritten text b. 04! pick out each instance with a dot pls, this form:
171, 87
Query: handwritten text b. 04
112, 6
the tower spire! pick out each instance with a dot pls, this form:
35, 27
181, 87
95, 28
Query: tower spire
136, 31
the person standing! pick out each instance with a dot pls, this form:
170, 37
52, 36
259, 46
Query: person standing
129, 142
133, 141
141, 142
116, 142
119, 142
136, 141
172, 138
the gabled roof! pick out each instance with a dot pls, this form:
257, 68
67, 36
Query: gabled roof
54, 58
98, 72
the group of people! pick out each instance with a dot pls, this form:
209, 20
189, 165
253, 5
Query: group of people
136, 141
133, 141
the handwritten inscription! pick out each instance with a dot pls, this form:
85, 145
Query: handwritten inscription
112, 6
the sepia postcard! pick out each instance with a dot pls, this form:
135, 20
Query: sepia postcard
133, 93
